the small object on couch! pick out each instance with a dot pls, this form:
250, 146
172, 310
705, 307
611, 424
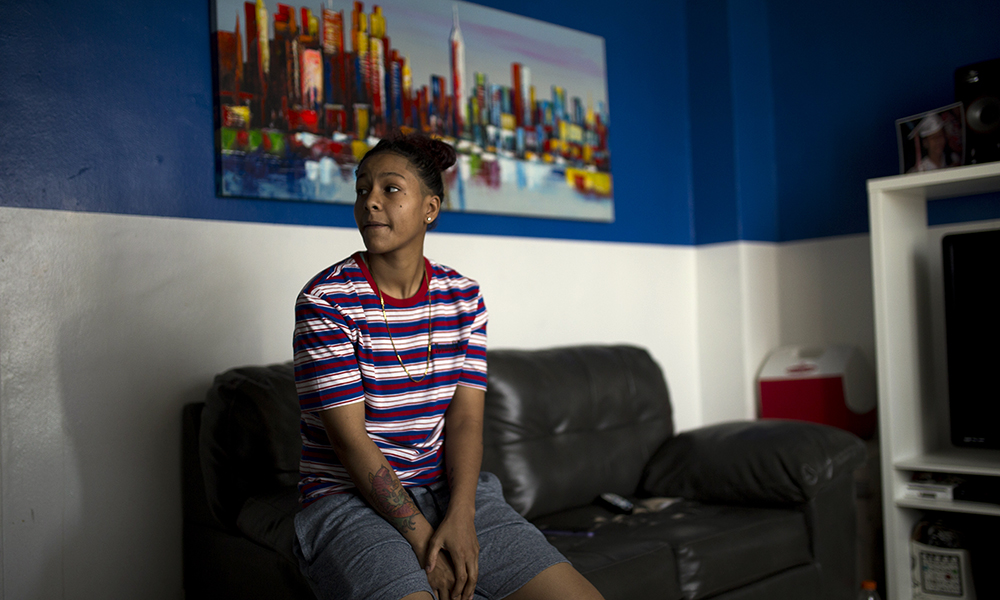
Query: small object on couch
655, 504
615, 503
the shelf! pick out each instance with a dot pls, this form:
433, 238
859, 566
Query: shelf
909, 326
958, 506
963, 461
959, 461
945, 183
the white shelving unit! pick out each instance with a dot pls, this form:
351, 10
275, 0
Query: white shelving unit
913, 404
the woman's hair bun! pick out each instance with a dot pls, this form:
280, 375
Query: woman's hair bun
439, 154
419, 147
443, 154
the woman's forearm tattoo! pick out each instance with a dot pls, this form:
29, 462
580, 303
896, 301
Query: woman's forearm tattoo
390, 498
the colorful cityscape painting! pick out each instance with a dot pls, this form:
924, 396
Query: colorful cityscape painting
302, 92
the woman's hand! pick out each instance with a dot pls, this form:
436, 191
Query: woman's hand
457, 536
442, 577
463, 450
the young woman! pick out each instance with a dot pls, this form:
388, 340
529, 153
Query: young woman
390, 367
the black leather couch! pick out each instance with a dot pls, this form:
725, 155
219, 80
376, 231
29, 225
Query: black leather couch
767, 507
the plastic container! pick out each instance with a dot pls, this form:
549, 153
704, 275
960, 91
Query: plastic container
869, 591
832, 385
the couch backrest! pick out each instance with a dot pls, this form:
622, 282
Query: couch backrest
561, 426
249, 438
567, 424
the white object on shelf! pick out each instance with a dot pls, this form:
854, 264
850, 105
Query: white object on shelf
940, 573
913, 412
930, 491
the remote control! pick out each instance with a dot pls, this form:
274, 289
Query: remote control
616, 503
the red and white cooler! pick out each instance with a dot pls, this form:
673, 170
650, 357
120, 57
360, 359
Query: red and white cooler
832, 385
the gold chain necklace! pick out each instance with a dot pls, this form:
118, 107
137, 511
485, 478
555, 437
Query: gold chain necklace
381, 301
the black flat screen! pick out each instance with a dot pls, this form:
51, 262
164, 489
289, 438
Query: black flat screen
972, 320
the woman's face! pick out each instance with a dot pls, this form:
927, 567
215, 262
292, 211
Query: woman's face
935, 143
392, 208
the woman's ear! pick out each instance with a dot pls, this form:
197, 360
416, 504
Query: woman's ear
433, 209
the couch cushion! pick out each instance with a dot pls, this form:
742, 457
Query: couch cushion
624, 569
705, 549
804, 582
269, 520
621, 566
721, 548
249, 438
566, 424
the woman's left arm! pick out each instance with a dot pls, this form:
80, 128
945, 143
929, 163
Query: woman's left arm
463, 455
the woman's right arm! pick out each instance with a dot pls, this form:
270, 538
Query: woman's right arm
370, 471
377, 482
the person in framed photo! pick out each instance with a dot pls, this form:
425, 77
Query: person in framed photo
933, 145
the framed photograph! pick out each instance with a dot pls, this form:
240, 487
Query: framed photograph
303, 91
932, 140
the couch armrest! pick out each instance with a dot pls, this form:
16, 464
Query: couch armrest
752, 462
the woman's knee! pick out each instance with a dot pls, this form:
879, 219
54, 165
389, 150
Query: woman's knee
557, 582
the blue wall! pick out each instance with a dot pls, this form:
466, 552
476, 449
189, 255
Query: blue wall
731, 119
843, 72
107, 107
793, 107
716, 218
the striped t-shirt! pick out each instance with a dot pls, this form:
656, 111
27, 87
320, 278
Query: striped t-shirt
343, 354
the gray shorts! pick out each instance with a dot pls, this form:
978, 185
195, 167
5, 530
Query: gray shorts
347, 551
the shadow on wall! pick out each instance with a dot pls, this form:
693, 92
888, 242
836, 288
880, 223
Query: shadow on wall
825, 293
140, 336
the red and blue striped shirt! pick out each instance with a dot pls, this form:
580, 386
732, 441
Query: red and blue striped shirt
343, 354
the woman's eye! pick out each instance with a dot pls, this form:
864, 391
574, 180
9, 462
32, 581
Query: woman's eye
362, 191
391, 188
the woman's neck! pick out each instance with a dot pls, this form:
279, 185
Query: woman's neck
399, 277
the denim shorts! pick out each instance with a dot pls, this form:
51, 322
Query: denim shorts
347, 551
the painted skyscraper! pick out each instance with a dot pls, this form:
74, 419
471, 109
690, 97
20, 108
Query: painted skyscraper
263, 42
459, 92
376, 65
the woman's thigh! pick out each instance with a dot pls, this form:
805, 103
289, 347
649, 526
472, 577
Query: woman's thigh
346, 550
556, 583
511, 550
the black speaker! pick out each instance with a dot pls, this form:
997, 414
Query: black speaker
977, 87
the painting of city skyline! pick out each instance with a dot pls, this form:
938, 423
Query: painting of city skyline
303, 91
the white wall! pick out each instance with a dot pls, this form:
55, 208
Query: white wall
585, 292
753, 297
825, 293
110, 323
737, 324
